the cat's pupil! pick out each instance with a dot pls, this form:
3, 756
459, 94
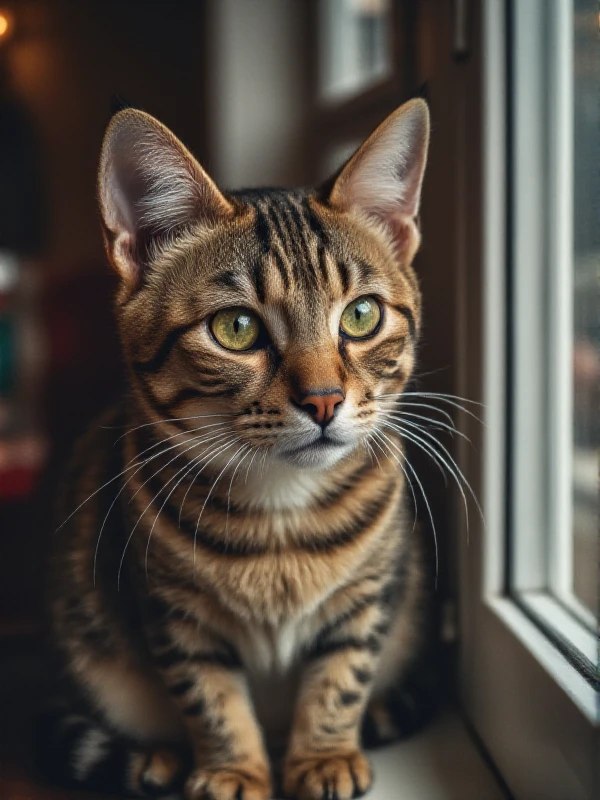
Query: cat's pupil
236, 325
357, 312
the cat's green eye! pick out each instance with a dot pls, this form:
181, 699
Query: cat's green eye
235, 328
361, 317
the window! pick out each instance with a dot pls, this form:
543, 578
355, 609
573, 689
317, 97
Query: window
530, 580
365, 69
355, 46
582, 579
554, 354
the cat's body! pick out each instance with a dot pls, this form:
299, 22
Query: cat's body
247, 571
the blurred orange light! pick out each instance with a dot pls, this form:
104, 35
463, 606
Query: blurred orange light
4, 24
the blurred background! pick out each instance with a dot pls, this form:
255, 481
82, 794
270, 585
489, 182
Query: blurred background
280, 92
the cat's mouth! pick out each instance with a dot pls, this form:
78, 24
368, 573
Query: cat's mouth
323, 443
320, 452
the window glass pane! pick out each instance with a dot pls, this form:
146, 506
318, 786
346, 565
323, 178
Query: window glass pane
355, 45
554, 343
586, 303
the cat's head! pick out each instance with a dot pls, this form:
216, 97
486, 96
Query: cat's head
289, 313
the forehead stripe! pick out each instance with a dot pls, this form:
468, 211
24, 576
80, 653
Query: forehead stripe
274, 220
259, 280
314, 222
287, 239
365, 270
263, 230
322, 258
280, 264
228, 280
344, 275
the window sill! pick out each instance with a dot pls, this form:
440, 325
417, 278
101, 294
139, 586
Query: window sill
442, 763
574, 685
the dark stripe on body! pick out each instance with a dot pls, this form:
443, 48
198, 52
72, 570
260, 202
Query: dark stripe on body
175, 655
155, 363
372, 644
346, 535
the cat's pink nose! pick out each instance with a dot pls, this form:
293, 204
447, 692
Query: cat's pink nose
322, 405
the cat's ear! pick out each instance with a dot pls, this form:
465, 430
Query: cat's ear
149, 187
383, 179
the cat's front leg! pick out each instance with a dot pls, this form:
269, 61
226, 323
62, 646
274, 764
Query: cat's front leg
206, 680
324, 759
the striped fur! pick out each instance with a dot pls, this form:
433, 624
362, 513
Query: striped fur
214, 556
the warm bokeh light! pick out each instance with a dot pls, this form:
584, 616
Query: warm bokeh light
4, 24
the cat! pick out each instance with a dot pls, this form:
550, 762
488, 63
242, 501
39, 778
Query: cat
237, 571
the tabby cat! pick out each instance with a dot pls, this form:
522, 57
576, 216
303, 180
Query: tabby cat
237, 575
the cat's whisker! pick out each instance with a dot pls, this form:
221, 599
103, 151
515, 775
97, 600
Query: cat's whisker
188, 469
111, 480
460, 473
442, 397
429, 511
199, 440
139, 465
407, 435
193, 481
455, 466
398, 404
163, 421
139, 519
408, 481
263, 463
429, 423
239, 464
196, 461
206, 499
369, 448
401, 417
177, 435
99, 489
446, 395
249, 467
452, 467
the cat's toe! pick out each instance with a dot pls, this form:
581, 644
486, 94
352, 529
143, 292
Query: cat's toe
227, 784
338, 777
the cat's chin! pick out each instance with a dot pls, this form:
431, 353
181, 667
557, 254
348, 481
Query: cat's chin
319, 455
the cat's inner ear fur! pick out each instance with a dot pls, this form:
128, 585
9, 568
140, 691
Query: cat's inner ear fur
382, 180
150, 187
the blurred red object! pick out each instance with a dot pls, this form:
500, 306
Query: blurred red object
22, 459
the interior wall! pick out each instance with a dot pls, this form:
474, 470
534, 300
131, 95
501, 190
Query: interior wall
64, 64
257, 107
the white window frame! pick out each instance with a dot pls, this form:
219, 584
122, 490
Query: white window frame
533, 710
542, 256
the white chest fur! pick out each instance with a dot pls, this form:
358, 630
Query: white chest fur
274, 650
281, 487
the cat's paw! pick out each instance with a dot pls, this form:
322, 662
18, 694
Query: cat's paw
156, 773
337, 777
227, 784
